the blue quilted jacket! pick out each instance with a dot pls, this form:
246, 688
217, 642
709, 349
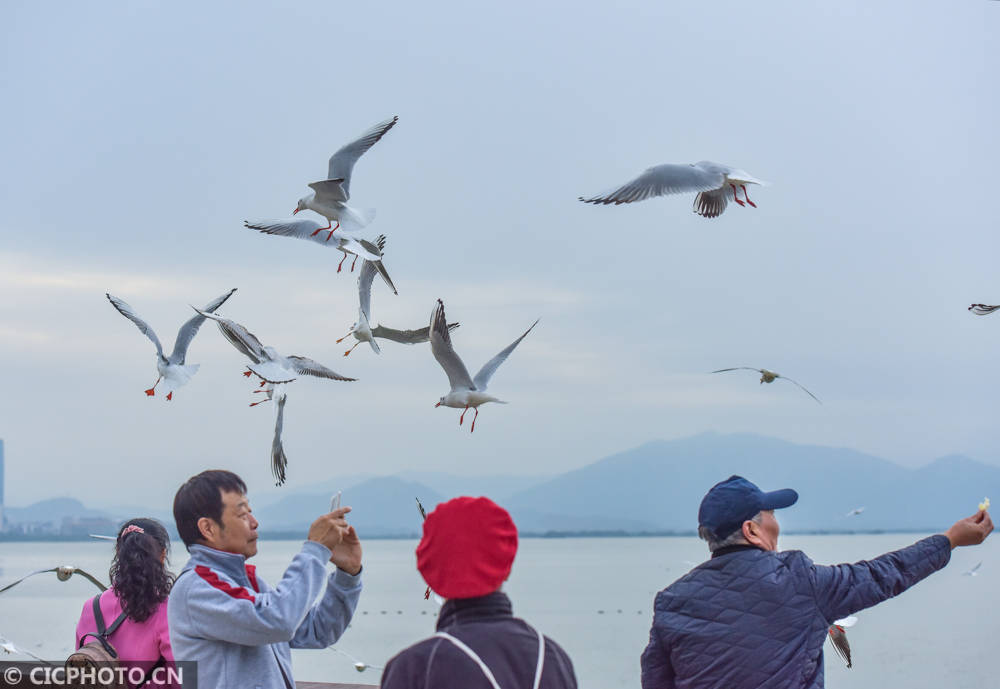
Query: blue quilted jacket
750, 618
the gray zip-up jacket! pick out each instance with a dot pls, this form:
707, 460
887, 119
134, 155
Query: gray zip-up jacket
239, 630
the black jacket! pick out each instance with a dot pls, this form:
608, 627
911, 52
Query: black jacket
507, 645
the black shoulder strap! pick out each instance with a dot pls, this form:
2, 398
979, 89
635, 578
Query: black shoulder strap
104, 632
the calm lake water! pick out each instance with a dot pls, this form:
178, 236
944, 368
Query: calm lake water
594, 596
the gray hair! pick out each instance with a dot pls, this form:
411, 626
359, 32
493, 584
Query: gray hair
735, 538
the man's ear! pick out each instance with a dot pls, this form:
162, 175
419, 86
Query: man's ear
751, 532
208, 528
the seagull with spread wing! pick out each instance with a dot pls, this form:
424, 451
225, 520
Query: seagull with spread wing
838, 637
8, 646
173, 371
330, 196
983, 309
767, 377
362, 330
348, 244
63, 573
712, 181
274, 371
465, 391
974, 572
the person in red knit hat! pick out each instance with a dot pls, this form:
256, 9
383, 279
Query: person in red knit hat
465, 555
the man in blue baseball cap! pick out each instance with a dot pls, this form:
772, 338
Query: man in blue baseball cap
754, 617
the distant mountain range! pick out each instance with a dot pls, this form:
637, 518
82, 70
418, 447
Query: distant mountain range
655, 487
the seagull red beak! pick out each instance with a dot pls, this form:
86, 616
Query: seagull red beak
437, 405
295, 211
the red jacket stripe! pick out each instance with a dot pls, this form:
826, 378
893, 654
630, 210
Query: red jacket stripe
213, 579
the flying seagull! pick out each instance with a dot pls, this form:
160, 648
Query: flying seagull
974, 572
465, 391
983, 309
7, 646
838, 637
359, 665
855, 511
362, 330
307, 229
712, 181
767, 377
173, 372
423, 514
62, 574
274, 371
330, 196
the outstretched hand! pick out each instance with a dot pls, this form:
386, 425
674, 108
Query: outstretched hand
347, 554
971, 530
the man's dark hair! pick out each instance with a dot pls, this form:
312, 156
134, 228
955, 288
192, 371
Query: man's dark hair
201, 496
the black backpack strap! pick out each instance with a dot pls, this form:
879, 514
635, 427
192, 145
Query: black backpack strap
104, 632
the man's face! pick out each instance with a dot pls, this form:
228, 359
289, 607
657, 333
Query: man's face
769, 530
238, 531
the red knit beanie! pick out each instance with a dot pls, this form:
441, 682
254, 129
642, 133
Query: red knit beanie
468, 547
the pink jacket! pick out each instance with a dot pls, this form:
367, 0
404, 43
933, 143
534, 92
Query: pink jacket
139, 644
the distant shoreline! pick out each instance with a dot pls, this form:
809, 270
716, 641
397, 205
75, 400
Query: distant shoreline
299, 535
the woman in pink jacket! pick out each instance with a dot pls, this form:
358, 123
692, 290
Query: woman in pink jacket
140, 583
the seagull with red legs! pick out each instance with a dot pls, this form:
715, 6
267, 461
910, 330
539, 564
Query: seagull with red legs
342, 241
465, 391
713, 182
330, 196
362, 329
173, 371
838, 637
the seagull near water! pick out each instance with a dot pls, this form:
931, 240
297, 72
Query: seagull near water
856, 511
465, 391
274, 371
330, 196
63, 573
767, 377
838, 637
362, 330
173, 371
712, 181
8, 646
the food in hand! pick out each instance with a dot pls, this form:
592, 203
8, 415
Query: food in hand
984, 505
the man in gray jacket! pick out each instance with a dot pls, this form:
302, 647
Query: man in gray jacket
236, 627
754, 617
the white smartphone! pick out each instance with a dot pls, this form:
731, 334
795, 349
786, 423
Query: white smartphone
335, 501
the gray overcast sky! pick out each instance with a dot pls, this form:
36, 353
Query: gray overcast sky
137, 137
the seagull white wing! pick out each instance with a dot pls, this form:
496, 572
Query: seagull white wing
278, 459
661, 180
970, 572
9, 646
406, 336
27, 576
126, 310
308, 367
365, 277
458, 375
847, 622
241, 338
313, 231
482, 378
272, 372
190, 329
801, 387
342, 162
737, 368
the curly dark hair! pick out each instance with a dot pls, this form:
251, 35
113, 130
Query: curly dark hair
138, 575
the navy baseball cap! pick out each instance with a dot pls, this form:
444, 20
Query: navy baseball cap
731, 502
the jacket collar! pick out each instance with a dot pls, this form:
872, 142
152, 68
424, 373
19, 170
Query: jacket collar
232, 565
734, 549
459, 610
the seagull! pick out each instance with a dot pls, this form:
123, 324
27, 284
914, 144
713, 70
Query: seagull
709, 179
767, 377
974, 572
465, 391
359, 665
7, 646
855, 511
63, 573
330, 196
274, 371
362, 330
307, 229
423, 513
838, 637
173, 372
983, 309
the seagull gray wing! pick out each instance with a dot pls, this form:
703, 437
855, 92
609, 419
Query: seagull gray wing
365, 278
711, 204
738, 368
308, 367
406, 336
27, 576
90, 577
241, 338
9, 646
190, 329
278, 459
661, 180
458, 375
838, 637
126, 310
482, 378
376, 249
983, 309
801, 387
342, 162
